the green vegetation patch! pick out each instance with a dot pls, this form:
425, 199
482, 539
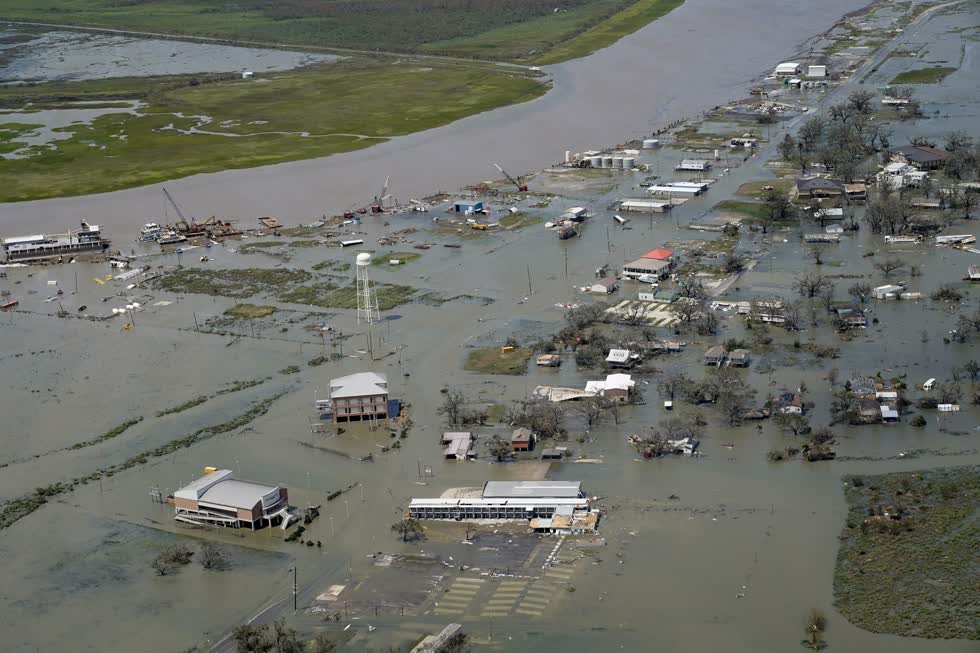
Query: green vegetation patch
923, 75
187, 405
754, 210
404, 257
494, 360
327, 295
108, 435
267, 121
250, 311
757, 189
336, 266
627, 21
242, 283
907, 563
519, 220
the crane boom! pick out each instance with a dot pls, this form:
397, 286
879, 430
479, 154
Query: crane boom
173, 203
520, 187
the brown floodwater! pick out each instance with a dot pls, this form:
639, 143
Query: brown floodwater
734, 562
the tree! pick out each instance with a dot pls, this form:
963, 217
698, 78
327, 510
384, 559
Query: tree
499, 448
453, 403
889, 265
792, 314
815, 626
792, 422
251, 638
686, 310
672, 383
323, 644
972, 369
843, 407
948, 392
732, 263
860, 291
956, 141
735, 402
816, 253
861, 102
409, 529
778, 205
213, 557
162, 566
811, 284
691, 287
591, 409
966, 200
458, 643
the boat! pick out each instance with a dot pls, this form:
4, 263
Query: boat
150, 232
8, 305
170, 237
42, 246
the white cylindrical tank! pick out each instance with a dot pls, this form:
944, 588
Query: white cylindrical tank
717, 156
649, 143
607, 162
596, 161
568, 156
363, 259
629, 163
617, 162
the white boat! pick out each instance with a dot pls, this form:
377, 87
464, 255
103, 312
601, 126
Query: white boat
151, 231
648, 278
169, 237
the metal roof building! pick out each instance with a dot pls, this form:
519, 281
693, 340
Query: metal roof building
532, 489
505, 500
218, 499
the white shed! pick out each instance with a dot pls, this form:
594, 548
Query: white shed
816, 71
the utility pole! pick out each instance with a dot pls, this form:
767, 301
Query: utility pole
294, 588
530, 290
566, 257
196, 326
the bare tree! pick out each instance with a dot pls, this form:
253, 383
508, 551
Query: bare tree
672, 383
499, 448
860, 291
811, 284
792, 422
686, 310
591, 409
213, 557
162, 566
815, 626
948, 392
956, 141
408, 528
778, 205
453, 404
889, 265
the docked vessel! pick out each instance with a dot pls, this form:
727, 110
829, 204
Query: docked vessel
87, 239
150, 232
170, 237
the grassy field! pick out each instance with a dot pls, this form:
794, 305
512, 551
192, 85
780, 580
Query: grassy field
495, 29
753, 210
493, 360
907, 563
250, 311
756, 188
404, 257
923, 75
122, 150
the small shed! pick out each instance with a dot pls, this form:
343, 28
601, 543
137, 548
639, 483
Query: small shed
622, 358
467, 206
787, 69
814, 70
973, 273
693, 165
605, 286
715, 356
549, 360
247, 74
522, 439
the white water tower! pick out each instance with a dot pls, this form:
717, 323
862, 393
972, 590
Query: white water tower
367, 300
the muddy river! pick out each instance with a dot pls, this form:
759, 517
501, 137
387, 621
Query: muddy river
700, 55
726, 551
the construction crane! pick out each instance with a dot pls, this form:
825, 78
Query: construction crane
521, 188
181, 223
379, 201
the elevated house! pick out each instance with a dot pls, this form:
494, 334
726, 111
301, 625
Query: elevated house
522, 439
616, 387
646, 266
605, 286
856, 192
739, 358
715, 356
359, 397
219, 499
622, 359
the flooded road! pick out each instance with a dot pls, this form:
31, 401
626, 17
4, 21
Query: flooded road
702, 54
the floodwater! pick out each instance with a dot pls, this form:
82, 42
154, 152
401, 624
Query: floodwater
70, 56
674, 569
702, 54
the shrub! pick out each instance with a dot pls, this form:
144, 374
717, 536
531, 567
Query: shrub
918, 420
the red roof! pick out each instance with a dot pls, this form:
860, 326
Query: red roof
659, 254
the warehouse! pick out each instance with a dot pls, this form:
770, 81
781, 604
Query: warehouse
503, 500
693, 165
653, 206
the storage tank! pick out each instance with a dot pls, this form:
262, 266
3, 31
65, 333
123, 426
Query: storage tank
568, 156
629, 163
607, 162
596, 161
617, 162
649, 143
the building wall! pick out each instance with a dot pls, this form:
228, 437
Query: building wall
354, 409
185, 504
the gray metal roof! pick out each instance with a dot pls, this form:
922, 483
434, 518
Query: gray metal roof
362, 384
532, 489
236, 494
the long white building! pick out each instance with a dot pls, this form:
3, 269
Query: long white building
505, 500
